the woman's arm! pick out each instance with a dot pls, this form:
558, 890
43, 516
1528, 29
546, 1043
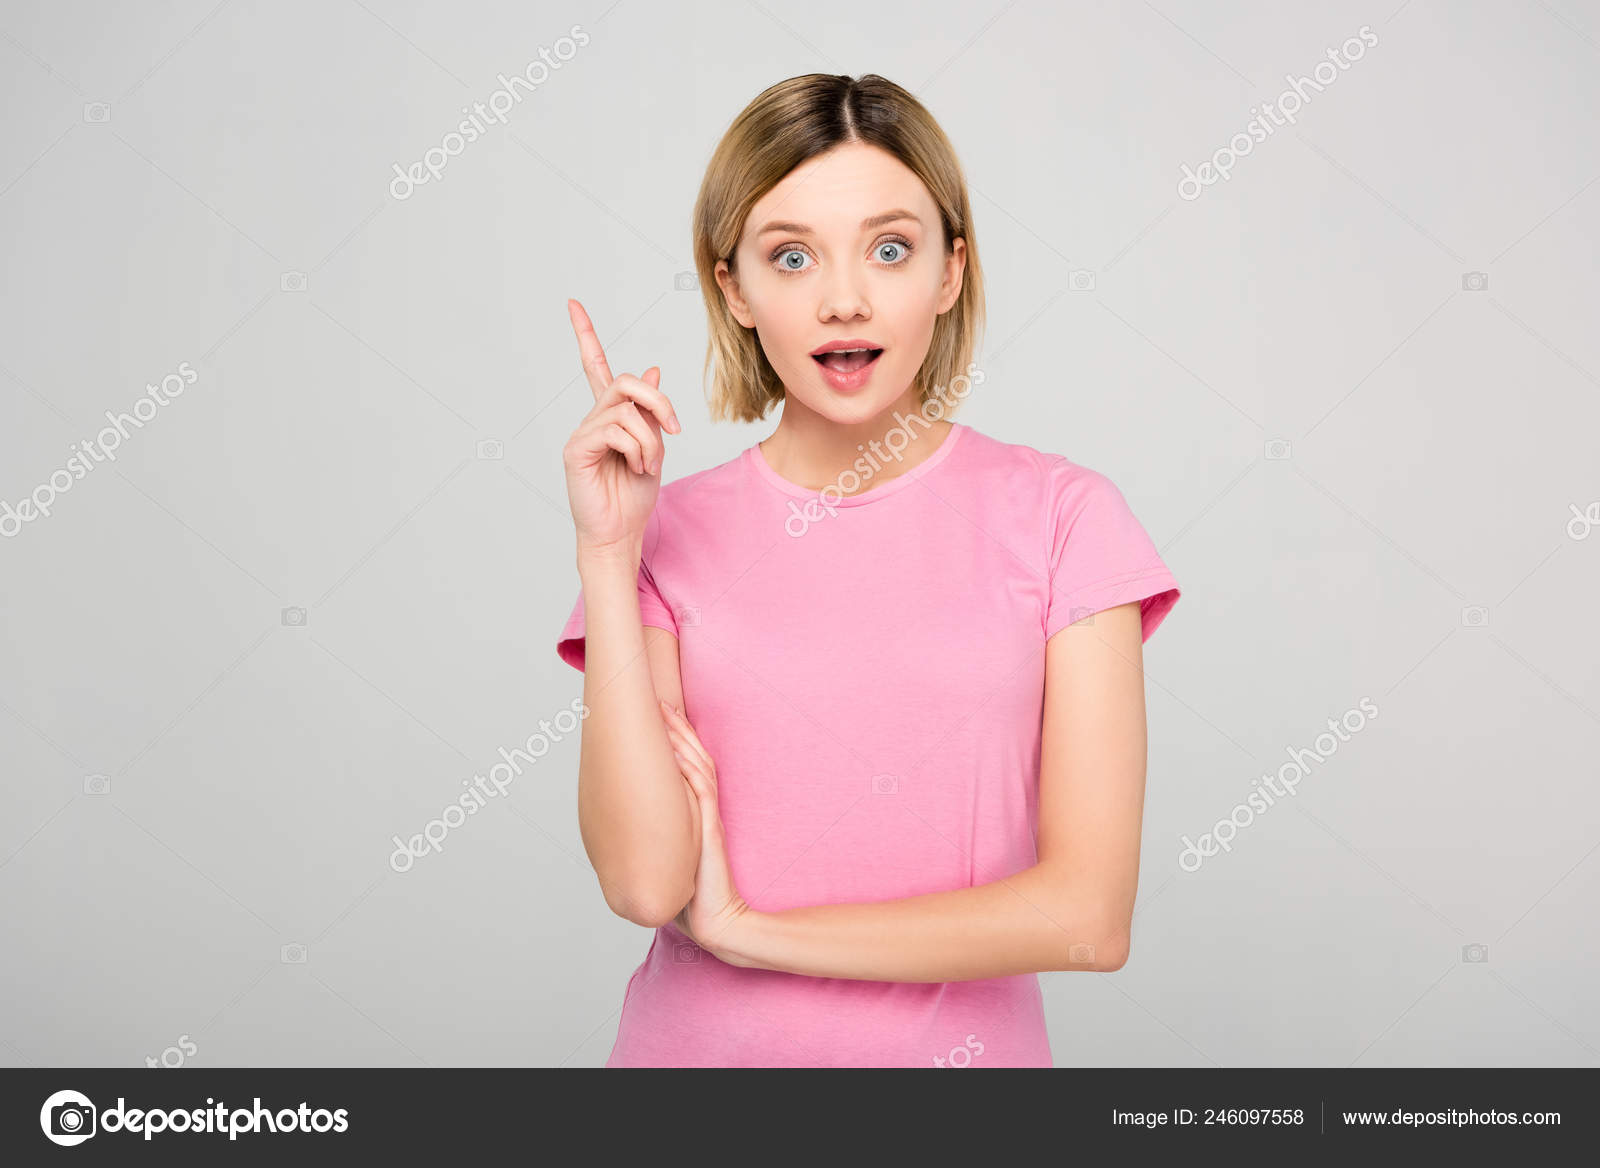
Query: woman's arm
638, 817
1071, 910
636, 813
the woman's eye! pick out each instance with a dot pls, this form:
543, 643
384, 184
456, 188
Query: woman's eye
890, 253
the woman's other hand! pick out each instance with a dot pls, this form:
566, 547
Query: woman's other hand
712, 917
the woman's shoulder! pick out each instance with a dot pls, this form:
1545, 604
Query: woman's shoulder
1048, 470
702, 500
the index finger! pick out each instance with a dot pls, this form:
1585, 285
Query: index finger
594, 357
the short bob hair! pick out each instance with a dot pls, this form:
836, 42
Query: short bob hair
786, 124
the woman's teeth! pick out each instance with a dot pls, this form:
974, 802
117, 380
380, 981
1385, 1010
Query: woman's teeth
848, 360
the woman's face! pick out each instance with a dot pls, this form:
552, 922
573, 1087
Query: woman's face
848, 247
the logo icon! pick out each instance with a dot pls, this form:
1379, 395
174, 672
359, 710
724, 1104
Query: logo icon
68, 1118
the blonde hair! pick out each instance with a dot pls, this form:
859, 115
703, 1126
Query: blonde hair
786, 124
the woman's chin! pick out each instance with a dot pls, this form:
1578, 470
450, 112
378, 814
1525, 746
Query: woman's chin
845, 408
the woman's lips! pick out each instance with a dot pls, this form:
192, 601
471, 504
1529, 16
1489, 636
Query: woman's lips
847, 371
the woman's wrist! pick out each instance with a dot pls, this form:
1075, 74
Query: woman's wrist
622, 556
744, 939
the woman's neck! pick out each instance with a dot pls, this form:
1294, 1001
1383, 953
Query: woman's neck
816, 452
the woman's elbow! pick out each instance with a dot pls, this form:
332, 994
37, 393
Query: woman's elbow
1106, 953
1113, 956
645, 903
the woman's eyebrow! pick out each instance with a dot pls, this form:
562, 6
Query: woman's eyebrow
866, 224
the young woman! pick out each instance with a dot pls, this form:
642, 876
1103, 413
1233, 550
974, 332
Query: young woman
866, 733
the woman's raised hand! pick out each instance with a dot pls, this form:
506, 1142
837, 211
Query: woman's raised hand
613, 459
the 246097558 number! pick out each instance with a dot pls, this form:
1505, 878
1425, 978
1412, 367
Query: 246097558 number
1255, 1116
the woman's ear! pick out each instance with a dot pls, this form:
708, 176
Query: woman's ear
729, 283
955, 267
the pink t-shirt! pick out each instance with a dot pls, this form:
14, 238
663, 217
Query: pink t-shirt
870, 684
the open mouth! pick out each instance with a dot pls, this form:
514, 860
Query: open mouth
847, 360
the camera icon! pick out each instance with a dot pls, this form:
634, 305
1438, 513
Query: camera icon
1475, 281
96, 111
1081, 280
1080, 614
292, 282
685, 282
72, 1121
1276, 448
1474, 616
292, 955
686, 953
1475, 954
96, 785
1081, 954
491, 448
885, 784
294, 616
688, 615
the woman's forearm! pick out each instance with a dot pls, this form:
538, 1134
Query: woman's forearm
636, 814
1036, 920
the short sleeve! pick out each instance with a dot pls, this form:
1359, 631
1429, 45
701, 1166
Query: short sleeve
653, 610
1100, 555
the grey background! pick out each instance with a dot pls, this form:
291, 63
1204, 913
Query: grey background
328, 459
